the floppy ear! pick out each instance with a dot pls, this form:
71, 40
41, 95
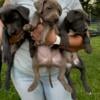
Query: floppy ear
6, 47
59, 9
4, 11
70, 16
39, 5
23, 11
86, 17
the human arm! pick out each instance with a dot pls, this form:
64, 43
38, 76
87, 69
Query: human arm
74, 43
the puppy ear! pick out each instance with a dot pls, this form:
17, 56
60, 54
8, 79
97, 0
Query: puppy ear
70, 16
6, 47
86, 17
23, 11
39, 5
59, 9
4, 11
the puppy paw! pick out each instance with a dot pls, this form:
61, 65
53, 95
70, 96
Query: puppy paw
27, 27
88, 49
32, 87
88, 90
68, 88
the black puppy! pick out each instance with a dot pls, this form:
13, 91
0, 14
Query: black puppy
78, 21
13, 18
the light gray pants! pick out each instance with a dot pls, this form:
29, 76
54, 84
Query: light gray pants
22, 82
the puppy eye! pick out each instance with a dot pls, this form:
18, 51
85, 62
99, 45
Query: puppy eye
49, 8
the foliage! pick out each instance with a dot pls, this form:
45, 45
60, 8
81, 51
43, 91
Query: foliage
1, 2
93, 9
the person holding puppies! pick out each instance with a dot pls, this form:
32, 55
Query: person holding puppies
22, 73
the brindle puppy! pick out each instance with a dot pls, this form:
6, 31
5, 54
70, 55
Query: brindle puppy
49, 12
77, 22
13, 18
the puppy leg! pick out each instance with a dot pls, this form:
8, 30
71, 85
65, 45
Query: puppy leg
32, 48
36, 78
7, 83
34, 21
61, 78
87, 45
73, 94
7, 57
83, 77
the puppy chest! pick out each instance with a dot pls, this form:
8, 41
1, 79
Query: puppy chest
47, 56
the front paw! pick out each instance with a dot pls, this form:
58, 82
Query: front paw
27, 27
32, 87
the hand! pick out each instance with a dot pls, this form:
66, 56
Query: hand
75, 43
36, 34
51, 38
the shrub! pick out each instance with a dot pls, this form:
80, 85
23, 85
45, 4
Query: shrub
1, 2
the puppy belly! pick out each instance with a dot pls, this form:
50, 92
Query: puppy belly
47, 56
44, 55
57, 58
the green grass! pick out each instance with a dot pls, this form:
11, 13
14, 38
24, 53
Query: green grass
92, 63
95, 26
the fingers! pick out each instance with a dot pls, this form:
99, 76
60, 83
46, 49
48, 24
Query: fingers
51, 37
36, 34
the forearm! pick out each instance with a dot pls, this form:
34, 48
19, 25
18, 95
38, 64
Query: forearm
70, 43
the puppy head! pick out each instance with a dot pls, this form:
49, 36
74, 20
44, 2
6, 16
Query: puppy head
78, 21
14, 18
49, 10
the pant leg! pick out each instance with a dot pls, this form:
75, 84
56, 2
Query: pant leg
22, 82
57, 92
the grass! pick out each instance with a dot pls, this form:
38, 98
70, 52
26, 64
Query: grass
92, 63
95, 26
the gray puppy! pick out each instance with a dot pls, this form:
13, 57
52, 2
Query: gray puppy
49, 11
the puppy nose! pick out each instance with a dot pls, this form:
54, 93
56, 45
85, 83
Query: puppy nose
56, 19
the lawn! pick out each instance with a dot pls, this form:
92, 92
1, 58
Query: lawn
92, 63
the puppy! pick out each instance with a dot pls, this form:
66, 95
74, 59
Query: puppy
49, 12
77, 22
13, 18
75, 62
